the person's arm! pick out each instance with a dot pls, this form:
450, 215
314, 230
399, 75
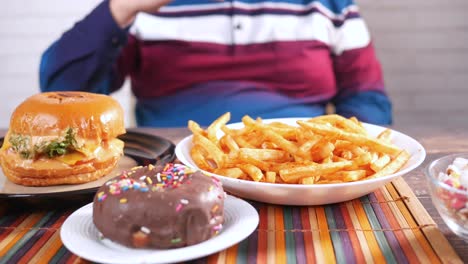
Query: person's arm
94, 55
84, 57
361, 91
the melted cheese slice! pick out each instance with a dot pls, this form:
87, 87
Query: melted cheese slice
71, 158
90, 150
101, 152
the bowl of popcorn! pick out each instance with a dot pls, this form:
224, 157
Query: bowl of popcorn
448, 181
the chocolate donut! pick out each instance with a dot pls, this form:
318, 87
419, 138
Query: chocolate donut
167, 206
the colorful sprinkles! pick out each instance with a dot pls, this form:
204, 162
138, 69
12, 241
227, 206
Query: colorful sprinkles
145, 230
172, 176
101, 196
218, 227
176, 240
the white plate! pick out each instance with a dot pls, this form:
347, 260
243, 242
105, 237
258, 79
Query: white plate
140, 149
80, 236
297, 194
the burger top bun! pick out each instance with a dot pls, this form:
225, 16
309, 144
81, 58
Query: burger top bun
48, 114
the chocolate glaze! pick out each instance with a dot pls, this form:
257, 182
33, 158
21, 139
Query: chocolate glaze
160, 207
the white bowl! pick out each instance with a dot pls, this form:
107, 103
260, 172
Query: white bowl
298, 194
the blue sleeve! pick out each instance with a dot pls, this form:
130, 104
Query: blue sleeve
84, 57
368, 106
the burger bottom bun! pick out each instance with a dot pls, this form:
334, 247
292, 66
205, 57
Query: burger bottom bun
56, 173
71, 179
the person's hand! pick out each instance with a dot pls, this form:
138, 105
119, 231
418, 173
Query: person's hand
124, 11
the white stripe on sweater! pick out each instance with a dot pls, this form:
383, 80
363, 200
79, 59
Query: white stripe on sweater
220, 29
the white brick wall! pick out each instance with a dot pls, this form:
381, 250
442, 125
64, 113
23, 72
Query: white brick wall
27, 28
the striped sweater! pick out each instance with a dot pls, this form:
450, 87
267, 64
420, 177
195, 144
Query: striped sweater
196, 59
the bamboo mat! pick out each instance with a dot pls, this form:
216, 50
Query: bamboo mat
389, 225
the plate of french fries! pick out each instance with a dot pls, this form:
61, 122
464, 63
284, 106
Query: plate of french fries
299, 161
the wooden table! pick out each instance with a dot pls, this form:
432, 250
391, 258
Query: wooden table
438, 141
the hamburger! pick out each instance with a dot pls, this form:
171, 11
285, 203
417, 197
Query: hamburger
62, 138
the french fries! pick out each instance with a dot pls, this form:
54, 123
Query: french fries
320, 150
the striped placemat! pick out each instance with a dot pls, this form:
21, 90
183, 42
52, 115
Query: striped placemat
389, 225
